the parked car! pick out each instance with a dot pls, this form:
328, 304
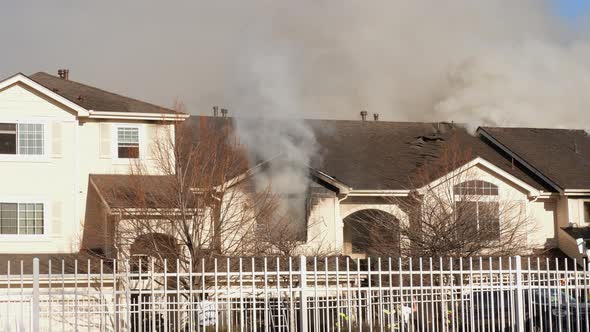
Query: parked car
556, 308
544, 309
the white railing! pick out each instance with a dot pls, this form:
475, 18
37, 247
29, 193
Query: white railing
297, 294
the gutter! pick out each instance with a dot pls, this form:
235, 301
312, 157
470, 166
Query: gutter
388, 193
137, 116
576, 192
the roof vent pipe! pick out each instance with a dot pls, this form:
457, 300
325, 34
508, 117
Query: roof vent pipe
64, 73
364, 115
223, 112
215, 111
376, 116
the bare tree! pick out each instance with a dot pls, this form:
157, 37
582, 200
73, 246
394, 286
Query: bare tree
452, 212
202, 202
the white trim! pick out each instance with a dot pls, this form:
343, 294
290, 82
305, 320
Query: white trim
47, 217
47, 139
85, 113
576, 192
82, 112
480, 161
384, 193
115, 142
138, 116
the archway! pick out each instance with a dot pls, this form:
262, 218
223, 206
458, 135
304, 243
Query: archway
156, 246
152, 252
371, 232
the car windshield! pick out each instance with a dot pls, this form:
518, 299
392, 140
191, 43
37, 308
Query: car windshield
553, 296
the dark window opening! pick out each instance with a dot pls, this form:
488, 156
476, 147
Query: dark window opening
7, 138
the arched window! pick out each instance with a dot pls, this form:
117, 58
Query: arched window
477, 209
476, 187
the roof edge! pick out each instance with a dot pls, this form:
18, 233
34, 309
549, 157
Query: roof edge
481, 131
22, 78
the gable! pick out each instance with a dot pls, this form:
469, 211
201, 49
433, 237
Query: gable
19, 100
481, 169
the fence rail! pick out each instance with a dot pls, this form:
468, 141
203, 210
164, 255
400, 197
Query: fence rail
297, 294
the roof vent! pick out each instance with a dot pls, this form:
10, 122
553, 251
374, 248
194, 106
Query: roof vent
64, 73
364, 115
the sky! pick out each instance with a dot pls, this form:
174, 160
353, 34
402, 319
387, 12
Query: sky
572, 9
481, 62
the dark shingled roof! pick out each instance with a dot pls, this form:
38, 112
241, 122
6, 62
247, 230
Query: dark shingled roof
96, 99
578, 232
119, 191
562, 155
385, 155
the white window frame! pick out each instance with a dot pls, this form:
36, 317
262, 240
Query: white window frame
115, 142
47, 217
46, 140
482, 198
582, 212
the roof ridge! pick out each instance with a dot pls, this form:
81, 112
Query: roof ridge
101, 90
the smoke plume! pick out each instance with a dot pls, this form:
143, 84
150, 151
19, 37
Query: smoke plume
502, 62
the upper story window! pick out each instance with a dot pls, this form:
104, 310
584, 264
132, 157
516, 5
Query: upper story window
476, 187
22, 138
477, 205
128, 142
21, 218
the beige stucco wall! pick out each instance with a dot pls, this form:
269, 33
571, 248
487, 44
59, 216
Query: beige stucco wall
541, 214
59, 179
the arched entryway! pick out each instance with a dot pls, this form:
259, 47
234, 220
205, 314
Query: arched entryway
156, 246
371, 231
152, 252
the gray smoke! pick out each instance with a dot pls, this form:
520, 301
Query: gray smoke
501, 62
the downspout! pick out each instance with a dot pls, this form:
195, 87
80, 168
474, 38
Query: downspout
338, 217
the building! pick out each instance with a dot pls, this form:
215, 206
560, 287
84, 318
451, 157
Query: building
60, 141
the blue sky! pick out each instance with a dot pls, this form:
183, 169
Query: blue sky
573, 9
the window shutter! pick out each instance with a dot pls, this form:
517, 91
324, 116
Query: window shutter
56, 218
151, 134
105, 140
56, 139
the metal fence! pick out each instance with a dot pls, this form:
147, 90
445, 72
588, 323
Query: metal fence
297, 294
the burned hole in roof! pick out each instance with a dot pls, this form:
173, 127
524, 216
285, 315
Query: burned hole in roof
422, 140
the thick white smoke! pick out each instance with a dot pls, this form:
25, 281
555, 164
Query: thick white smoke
495, 62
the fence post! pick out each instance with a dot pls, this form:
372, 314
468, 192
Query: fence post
35, 313
519, 295
303, 293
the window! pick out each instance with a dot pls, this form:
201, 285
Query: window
476, 187
21, 218
128, 142
22, 138
30, 139
477, 207
587, 212
7, 138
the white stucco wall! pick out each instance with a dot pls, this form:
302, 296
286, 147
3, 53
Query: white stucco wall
59, 179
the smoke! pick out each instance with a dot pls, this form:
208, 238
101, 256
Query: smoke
502, 62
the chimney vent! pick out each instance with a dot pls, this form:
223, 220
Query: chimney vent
376, 116
215, 111
64, 73
364, 115
223, 113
